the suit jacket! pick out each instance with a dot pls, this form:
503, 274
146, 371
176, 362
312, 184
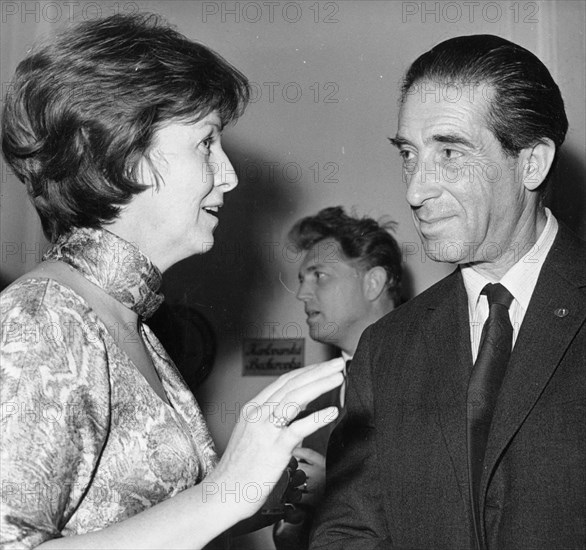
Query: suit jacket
400, 479
318, 440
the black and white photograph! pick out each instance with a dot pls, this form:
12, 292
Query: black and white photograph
293, 275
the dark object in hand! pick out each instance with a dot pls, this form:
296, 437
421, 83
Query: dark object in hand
287, 491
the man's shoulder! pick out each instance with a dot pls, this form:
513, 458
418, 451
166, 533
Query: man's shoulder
430, 298
568, 255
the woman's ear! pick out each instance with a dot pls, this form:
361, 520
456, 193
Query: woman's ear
537, 163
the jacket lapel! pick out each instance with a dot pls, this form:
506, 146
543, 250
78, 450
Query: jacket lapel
447, 332
556, 312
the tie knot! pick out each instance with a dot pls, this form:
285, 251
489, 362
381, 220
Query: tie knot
497, 294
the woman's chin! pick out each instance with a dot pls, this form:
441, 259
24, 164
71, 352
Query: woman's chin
203, 247
196, 250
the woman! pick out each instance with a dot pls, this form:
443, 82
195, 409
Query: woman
115, 128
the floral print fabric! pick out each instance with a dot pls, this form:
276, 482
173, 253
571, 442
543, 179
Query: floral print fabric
114, 265
85, 441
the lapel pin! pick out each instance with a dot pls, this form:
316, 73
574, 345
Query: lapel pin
561, 312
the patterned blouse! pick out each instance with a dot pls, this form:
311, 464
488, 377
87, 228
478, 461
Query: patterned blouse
85, 441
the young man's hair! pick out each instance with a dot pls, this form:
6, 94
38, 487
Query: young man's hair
363, 240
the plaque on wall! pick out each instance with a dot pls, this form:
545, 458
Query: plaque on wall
272, 356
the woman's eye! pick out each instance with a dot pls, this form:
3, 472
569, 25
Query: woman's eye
207, 144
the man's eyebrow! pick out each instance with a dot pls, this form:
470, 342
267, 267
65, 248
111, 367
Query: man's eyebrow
310, 269
439, 138
453, 138
315, 267
399, 141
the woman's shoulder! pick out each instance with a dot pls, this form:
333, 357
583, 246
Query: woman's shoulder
47, 337
30, 297
55, 389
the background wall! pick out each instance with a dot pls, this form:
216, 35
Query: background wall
325, 78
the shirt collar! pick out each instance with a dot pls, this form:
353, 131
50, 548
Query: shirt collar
521, 278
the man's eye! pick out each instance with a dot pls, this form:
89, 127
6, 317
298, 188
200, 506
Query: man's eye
451, 154
406, 155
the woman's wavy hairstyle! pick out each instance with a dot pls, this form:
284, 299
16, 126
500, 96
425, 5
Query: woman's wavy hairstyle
82, 111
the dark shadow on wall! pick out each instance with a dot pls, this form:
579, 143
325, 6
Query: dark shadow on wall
407, 285
567, 196
218, 284
4, 282
188, 338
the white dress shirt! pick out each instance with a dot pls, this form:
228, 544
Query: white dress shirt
346, 358
520, 281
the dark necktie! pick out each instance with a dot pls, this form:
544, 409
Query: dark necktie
344, 387
485, 382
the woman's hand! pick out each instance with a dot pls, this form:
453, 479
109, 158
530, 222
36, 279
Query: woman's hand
314, 466
258, 451
267, 433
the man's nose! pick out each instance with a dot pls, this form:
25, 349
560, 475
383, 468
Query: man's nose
423, 182
304, 291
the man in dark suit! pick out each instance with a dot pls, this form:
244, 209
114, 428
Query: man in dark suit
466, 407
350, 277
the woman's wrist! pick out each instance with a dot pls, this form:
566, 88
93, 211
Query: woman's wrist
232, 498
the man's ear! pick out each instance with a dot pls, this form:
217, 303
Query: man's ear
375, 281
537, 161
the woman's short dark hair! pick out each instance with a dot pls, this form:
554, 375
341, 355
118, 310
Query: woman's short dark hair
82, 111
362, 239
525, 104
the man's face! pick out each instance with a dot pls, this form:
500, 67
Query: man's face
332, 289
466, 196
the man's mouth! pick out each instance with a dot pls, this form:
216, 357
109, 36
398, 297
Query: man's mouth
312, 314
428, 224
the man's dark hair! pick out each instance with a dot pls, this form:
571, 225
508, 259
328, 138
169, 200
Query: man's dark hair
82, 111
361, 239
525, 103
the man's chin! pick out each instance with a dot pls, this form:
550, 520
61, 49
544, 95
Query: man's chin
446, 251
324, 334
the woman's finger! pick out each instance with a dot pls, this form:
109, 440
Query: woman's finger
299, 377
300, 429
289, 402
